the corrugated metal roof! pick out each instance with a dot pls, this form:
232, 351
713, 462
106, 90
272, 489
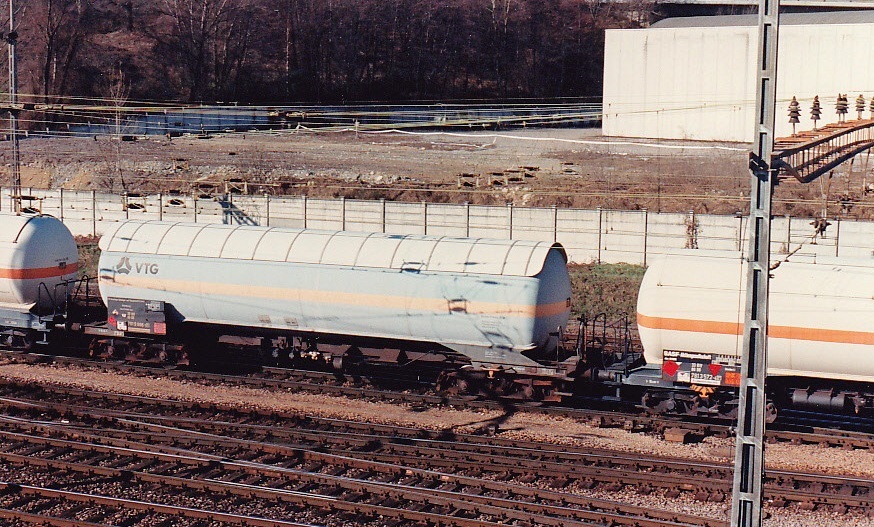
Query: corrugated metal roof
354, 249
787, 19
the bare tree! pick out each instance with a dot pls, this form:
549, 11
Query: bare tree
117, 93
210, 38
61, 27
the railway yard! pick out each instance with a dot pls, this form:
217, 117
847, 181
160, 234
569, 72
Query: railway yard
81, 438
115, 434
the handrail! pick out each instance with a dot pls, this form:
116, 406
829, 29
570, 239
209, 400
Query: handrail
836, 143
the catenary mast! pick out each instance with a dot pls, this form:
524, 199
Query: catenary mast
746, 502
12, 39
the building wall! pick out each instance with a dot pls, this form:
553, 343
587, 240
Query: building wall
698, 83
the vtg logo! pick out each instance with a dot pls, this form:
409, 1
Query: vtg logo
124, 266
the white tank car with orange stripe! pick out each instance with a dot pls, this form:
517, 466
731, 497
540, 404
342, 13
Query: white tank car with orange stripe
491, 300
690, 316
36, 253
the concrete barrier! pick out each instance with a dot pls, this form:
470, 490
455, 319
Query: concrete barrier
610, 236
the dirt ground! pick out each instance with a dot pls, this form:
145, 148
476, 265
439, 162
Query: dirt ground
542, 167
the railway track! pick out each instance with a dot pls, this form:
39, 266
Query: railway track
521, 478
184, 457
417, 391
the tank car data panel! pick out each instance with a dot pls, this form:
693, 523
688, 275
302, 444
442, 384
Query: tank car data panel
137, 316
701, 368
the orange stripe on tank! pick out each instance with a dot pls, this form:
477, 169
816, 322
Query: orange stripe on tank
41, 272
471, 307
683, 324
778, 332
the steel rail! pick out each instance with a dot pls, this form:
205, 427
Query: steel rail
35, 492
509, 461
466, 489
325, 383
460, 499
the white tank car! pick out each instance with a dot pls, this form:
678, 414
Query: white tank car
491, 300
36, 252
690, 316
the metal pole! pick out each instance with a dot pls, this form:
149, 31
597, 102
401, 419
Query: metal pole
788, 232
645, 234
382, 204
61, 211
94, 213
267, 206
600, 219
12, 39
510, 219
554, 223
160, 206
746, 498
425, 216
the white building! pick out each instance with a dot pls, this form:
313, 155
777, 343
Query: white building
694, 78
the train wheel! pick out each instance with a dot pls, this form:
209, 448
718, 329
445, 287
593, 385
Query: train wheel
770, 413
101, 349
19, 340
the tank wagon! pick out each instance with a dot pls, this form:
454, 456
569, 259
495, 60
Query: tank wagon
499, 305
820, 346
38, 256
496, 308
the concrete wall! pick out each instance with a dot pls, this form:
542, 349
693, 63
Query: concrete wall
589, 235
698, 83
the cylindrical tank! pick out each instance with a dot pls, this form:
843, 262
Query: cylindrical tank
491, 300
36, 253
819, 319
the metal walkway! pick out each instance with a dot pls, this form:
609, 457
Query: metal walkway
811, 154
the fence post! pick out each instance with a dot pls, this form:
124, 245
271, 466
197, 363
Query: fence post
195, 208
740, 231
94, 213
600, 222
267, 211
467, 220
61, 198
425, 216
645, 235
342, 213
160, 206
382, 203
510, 218
838, 236
554, 223
788, 233
305, 211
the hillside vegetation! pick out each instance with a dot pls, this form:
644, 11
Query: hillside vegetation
260, 51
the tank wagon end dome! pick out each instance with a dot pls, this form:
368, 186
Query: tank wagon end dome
37, 252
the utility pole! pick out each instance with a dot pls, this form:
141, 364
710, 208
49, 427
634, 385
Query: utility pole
12, 40
746, 499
